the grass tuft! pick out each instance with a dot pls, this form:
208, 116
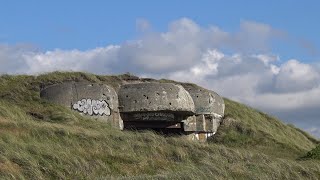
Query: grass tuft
313, 154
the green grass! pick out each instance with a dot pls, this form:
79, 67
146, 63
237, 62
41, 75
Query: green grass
313, 154
246, 127
40, 140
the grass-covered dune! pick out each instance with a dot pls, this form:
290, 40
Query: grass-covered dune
41, 140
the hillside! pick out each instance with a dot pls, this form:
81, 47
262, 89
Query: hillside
42, 140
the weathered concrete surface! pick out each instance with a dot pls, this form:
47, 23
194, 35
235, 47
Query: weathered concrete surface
98, 101
209, 109
155, 97
218, 104
205, 101
201, 123
60, 94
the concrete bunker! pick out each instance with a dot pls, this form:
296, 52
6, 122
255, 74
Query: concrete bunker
168, 107
154, 105
209, 111
98, 101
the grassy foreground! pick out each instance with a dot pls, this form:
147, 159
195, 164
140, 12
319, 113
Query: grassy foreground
40, 140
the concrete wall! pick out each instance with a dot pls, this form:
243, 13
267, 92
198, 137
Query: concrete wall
205, 101
209, 109
98, 101
154, 96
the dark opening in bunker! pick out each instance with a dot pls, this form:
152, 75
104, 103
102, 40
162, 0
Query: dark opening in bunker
163, 122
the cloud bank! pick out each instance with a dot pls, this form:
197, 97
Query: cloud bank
238, 65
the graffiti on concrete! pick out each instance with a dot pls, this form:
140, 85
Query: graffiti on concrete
92, 107
154, 116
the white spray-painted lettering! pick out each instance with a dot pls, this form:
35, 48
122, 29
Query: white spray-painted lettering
92, 107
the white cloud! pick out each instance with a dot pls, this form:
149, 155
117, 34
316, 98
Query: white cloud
95, 60
11, 59
237, 65
255, 33
287, 101
296, 76
267, 59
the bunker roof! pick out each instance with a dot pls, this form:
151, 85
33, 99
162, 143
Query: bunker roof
155, 96
205, 101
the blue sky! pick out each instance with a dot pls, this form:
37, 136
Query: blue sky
88, 24
261, 53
